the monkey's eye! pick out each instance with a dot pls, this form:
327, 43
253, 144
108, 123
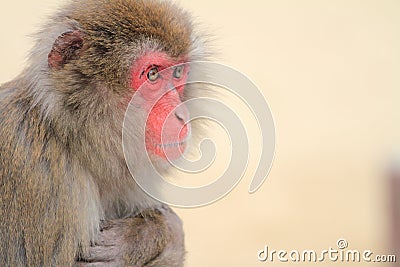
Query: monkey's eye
178, 72
153, 74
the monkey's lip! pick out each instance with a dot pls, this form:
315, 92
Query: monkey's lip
170, 151
174, 144
171, 145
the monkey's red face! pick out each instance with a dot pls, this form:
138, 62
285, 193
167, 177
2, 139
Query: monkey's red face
160, 82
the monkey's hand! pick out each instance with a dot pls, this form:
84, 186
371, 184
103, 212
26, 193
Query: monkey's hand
152, 238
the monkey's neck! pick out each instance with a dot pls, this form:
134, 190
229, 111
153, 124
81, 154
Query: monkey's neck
127, 202
120, 196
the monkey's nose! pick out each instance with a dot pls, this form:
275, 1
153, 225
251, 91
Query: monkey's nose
182, 113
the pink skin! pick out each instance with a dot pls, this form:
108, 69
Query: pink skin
166, 131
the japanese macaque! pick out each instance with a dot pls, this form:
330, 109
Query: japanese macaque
66, 195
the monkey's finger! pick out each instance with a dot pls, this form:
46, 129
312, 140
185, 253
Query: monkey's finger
106, 239
97, 264
103, 254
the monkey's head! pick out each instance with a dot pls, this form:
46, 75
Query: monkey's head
113, 49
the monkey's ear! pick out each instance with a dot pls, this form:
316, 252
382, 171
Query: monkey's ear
66, 47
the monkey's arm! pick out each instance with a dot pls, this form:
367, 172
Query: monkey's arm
152, 238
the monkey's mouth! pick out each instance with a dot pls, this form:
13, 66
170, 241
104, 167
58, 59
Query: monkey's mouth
170, 145
173, 149
175, 143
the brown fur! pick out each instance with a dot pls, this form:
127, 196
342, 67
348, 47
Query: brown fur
62, 170
117, 236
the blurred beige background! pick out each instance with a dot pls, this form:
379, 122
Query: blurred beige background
330, 71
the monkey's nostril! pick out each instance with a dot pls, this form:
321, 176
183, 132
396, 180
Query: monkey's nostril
182, 113
180, 116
